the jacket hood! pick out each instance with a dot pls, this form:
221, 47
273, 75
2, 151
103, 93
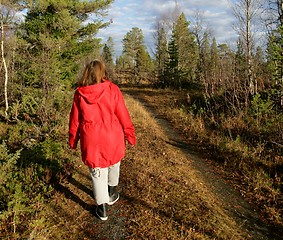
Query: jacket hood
93, 93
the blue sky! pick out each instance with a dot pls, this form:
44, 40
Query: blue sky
143, 14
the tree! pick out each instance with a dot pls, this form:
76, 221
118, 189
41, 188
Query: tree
199, 29
240, 87
107, 56
4, 64
202, 36
275, 65
168, 19
226, 65
133, 48
203, 67
161, 53
182, 51
187, 50
172, 74
7, 18
260, 67
274, 26
274, 16
214, 67
247, 12
55, 38
144, 65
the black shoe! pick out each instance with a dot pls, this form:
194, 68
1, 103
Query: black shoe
113, 194
101, 211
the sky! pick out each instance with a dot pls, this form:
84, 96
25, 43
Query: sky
143, 14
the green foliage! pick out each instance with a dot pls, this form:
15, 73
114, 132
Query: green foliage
12, 198
161, 55
52, 42
172, 74
107, 56
275, 57
132, 42
187, 49
261, 113
144, 64
56, 39
8, 163
135, 60
181, 65
26, 174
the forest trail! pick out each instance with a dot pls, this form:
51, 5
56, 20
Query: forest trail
231, 200
167, 192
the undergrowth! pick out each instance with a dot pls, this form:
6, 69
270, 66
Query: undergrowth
34, 156
254, 139
248, 143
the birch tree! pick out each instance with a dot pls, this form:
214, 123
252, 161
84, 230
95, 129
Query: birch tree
247, 13
7, 16
5, 67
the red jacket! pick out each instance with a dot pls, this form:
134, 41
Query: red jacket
100, 120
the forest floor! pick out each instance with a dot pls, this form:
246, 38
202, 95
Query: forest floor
169, 189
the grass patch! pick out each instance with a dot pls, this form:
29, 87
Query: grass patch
167, 198
255, 168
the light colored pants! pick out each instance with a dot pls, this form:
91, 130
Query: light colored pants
101, 178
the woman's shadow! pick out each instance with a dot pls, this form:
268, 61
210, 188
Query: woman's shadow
72, 196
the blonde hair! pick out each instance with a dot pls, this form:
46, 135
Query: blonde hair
94, 73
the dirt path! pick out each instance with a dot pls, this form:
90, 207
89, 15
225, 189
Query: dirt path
144, 213
231, 200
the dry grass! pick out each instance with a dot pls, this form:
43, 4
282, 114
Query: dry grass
169, 199
162, 196
256, 174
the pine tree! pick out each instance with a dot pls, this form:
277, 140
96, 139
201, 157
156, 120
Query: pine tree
187, 48
55, 38
183, 57
144, 65
107, 56
172, 74
274, 50
161, 55
133, 49
56, 30
275, 57
214, 67
203, 64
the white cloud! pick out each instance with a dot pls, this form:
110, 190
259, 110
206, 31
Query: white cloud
127, 14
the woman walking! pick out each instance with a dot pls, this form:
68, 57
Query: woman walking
100, 119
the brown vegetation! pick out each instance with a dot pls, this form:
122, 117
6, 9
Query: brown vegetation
164, 192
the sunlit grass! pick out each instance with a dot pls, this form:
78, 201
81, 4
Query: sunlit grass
169, 198
257, 169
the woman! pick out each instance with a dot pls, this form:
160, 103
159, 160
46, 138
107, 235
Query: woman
100, 120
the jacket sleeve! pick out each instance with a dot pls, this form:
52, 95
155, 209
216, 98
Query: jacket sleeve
123, 115
74, 123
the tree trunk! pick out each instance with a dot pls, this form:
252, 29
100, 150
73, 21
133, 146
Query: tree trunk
252, 87
5, 69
